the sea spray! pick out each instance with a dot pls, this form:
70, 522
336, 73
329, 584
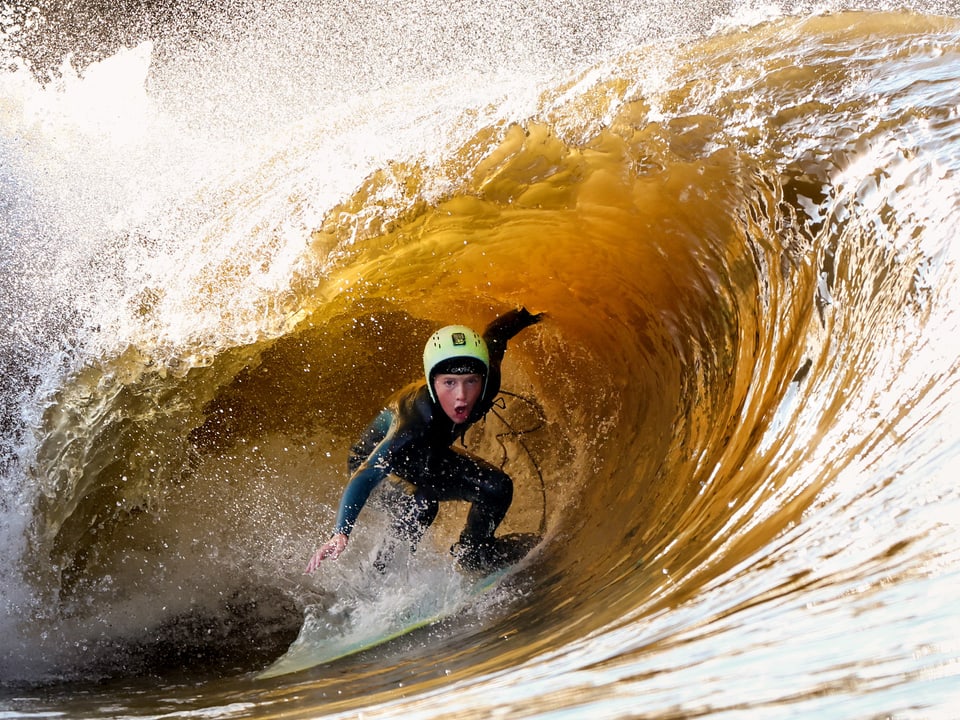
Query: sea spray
747, 378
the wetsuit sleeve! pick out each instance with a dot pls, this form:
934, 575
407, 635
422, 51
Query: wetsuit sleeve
499, 331
398, 429
496, 335
355, 495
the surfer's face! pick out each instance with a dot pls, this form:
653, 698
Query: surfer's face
458, 394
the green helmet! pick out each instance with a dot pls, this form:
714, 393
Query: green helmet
458, 350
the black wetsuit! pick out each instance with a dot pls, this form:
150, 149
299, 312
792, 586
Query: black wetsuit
411, 442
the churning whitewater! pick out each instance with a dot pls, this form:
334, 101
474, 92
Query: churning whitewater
228, 233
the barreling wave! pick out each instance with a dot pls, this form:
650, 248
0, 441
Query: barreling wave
746, 260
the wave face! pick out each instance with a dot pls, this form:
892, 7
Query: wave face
227, 235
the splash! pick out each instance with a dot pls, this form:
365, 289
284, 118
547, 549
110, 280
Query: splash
743, 240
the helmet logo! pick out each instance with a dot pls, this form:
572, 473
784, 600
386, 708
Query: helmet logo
458, 339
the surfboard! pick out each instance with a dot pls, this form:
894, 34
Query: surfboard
304, 655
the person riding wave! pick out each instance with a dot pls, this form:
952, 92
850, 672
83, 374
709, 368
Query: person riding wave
410, 446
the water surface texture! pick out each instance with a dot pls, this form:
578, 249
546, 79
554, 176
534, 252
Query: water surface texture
226, 235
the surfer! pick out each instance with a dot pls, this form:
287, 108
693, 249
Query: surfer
410, 445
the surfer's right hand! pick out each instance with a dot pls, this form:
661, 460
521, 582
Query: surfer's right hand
331, 549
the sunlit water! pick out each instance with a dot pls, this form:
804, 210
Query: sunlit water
224, 244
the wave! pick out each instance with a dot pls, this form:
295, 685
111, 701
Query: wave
739, 407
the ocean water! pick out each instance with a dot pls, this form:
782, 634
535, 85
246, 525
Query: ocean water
226, 234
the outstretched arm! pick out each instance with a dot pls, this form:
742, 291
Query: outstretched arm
502, 329
496, 335
355, 495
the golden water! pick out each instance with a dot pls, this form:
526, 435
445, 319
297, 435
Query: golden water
742, 405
